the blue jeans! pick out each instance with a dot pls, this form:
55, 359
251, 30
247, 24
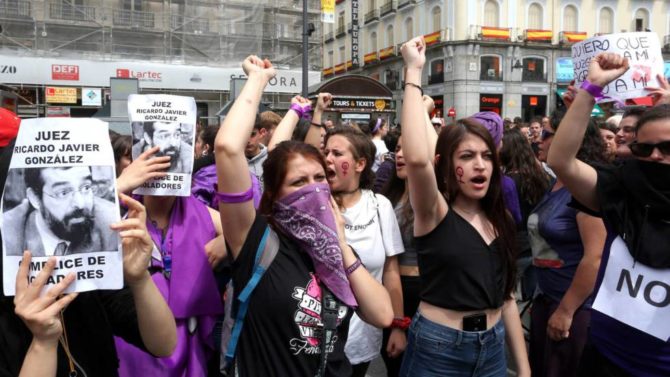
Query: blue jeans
437, 350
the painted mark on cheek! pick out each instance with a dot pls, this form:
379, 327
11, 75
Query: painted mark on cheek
345, 168
459, 173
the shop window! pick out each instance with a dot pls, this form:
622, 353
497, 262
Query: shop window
534, 69
491, 68
606, 21
570, 18
491, 13
535, 20
436, 75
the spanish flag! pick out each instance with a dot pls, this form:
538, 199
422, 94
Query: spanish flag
327, 71
495, 33
539, 35
432, 38
574, 36
370, 58
340, 68
386, 53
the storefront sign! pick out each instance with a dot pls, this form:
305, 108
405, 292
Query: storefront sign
491, 102
67, 72
55, 94
564, 71
328, 11
91, 97
87, 73
58, 112
370, 104
354, 33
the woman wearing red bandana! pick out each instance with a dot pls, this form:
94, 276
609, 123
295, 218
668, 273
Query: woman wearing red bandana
283, 322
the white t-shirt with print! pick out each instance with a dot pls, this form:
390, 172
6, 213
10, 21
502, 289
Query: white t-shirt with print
363, 233
381, 150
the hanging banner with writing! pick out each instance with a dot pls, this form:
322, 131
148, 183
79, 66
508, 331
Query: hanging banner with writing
355, 60
328, 11
643, 51
635, 294
60, 199
169, 123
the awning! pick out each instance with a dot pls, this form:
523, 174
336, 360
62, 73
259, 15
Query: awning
596, 112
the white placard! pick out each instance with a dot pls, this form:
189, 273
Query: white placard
643, 51
91, 97
168, 122
60, 199
635, 294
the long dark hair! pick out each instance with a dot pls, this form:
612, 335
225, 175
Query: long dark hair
275, 169
517, 157
361, 147
593, 149
492, 203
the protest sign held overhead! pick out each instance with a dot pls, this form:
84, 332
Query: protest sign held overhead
169, 123
60, 199
645, 59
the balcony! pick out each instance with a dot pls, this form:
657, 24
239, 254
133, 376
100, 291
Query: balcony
372, 16
62, 11
538, 36
339, 31
388, 8
328, 37
133, 19
404, 3
13, 9
195, 25
490, 33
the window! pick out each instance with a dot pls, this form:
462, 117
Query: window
570, 18
535, 19
343, 57
606, 21
390, 40
534, 69
331, 59
373, 42
372, 5
491, 13
409, 29
340, 20
490, 68
641, 20
436, 71
437, 19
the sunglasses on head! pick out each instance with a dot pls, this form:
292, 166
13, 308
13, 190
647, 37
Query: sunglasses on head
646, 149
546, 134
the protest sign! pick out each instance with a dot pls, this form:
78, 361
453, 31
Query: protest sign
169, 123
60, 199
645, 59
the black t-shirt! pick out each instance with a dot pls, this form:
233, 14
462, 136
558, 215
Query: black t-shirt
280, 336
91, 321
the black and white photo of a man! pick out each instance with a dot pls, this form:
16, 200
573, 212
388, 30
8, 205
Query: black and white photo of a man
168, 136
61, 216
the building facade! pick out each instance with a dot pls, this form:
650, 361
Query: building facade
184, 47
508, 56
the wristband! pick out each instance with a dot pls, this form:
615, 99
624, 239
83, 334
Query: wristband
303, 112
594, 90
234, 198
401, 323
317, 124
416, 86
350, 270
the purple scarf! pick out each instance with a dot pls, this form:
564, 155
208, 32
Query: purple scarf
305, 215
191, 291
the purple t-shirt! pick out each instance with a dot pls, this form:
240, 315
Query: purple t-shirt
556, 243
638, 353
203, 187
511, 198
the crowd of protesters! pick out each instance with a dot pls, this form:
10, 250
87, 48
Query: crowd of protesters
413, 243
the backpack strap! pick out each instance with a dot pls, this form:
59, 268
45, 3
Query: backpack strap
329, 311
265, 254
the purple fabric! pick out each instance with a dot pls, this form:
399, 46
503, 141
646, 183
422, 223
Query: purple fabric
493, 122
306, 216
203, 187
511, 198
191, 291
303, 112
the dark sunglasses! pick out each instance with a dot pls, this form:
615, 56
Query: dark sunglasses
546, 134
645, 149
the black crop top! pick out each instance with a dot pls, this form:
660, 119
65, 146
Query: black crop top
458, 270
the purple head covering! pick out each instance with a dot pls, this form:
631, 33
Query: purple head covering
493, 122
307, 217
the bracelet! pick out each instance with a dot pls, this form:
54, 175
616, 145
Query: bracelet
592, 89
317, 125
303, 112
416, 86
350, 270
233, 198
401, 323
